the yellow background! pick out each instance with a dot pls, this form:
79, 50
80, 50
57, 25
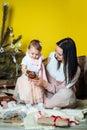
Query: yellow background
49, 21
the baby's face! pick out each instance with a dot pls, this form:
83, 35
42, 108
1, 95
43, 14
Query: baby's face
34, 53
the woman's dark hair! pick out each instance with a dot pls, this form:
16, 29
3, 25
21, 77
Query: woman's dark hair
69, 56
36, 44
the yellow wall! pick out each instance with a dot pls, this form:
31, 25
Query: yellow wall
49, 21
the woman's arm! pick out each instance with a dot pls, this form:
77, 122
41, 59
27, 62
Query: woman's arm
43, 83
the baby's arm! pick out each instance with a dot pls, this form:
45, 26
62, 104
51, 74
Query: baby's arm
24, 69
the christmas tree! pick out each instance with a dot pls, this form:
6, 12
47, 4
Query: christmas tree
10, 54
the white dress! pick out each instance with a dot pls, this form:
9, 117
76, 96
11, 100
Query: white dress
26, 90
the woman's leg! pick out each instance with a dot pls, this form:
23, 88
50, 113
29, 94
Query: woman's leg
63, 98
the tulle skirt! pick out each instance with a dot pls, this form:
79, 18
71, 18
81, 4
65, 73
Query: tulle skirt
28, 91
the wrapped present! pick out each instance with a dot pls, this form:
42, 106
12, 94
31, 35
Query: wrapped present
54, 121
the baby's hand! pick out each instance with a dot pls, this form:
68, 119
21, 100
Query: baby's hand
32, 75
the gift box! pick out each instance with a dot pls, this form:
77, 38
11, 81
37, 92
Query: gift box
54, 121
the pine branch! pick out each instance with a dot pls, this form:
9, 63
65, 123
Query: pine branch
5, 10
6, 45
19, 50
7, 34
16, 40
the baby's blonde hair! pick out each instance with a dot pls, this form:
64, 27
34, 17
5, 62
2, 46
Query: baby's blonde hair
36, 44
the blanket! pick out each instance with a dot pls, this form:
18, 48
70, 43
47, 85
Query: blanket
75, 115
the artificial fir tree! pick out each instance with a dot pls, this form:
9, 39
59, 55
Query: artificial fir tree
10, 54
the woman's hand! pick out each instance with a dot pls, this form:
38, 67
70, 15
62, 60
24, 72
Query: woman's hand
41, 83
46, 61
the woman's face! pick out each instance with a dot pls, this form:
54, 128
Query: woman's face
59, 53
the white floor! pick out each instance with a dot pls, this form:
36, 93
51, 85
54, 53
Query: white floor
8, 126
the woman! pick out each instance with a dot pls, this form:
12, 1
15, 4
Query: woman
62, 73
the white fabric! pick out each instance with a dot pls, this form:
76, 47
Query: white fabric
30, 121
77, 115
56, 73
32, 64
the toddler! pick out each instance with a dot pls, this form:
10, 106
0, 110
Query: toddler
32, 69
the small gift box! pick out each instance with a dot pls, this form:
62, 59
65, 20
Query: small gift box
54, 121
